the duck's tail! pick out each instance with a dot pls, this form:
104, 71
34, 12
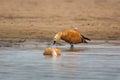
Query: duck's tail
85, 39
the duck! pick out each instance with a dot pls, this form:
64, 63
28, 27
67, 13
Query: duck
52, 52
71, 36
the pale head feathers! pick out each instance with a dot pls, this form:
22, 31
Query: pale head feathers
58, 36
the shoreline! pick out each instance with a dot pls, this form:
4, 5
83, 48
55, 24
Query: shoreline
9, 42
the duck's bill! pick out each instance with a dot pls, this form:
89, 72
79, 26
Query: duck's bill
54, 42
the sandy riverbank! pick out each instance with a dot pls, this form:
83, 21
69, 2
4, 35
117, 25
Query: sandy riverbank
96, 19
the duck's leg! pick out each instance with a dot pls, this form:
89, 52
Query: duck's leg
71, 46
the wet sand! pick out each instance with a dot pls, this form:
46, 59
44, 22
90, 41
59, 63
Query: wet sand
98, 60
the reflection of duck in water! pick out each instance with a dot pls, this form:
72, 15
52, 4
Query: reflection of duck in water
52, 51
71, 36
74, 50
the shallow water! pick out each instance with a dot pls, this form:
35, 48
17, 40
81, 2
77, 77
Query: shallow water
94, 61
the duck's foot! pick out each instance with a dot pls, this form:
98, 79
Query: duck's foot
71, 46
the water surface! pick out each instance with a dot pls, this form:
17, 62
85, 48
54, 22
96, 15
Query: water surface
94, 61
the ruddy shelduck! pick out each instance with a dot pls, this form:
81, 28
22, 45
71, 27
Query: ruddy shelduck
52, 51
71, 36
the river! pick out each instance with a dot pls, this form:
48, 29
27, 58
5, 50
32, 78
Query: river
94, 61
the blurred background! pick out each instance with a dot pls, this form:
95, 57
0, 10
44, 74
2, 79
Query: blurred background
97, 19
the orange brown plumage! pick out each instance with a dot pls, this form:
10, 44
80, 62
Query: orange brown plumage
71, 36
49, 51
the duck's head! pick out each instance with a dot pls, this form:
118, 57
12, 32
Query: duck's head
57, 37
